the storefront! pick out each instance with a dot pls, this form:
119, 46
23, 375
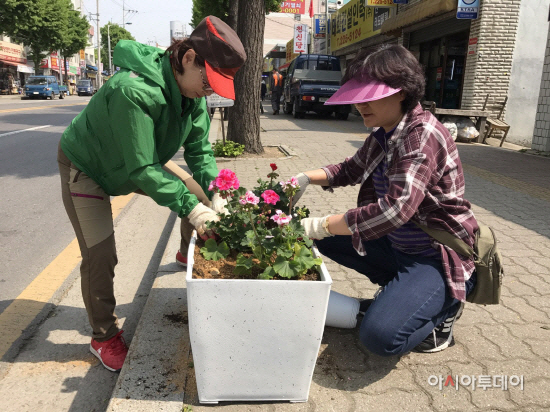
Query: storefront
356, 26
442, 49
12, 56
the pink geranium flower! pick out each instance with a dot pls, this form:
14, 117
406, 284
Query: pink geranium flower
270, 197
226, 180
281, 218
249, 198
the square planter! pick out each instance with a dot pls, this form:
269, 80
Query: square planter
253, 339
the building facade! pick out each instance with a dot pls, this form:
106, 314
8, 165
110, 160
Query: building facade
499, 55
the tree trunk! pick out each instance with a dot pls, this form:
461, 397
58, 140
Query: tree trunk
244, 118
232, 19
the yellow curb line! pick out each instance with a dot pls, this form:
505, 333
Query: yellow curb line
514, 184
41, 107
22, 311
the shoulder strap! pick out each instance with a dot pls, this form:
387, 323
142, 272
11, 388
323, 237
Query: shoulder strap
458, 245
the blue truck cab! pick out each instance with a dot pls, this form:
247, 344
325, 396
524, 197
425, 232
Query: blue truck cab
311, 80
85, 87
44, 86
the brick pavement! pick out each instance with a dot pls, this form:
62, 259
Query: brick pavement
509, 191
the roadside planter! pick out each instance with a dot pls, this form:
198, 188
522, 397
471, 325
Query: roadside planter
258, 303
255, 339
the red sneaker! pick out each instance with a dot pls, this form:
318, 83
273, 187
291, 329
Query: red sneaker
112, 352
181, 260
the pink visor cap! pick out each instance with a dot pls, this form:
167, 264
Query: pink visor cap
356, 91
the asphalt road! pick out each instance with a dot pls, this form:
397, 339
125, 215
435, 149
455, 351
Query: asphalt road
34, 227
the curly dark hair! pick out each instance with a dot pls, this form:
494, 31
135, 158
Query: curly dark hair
177, 49
393, 65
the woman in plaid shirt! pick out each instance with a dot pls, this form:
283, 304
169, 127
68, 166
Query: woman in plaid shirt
409, 174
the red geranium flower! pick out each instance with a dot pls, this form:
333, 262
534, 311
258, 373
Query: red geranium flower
273, 166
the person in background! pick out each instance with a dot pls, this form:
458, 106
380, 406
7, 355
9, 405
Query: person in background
410, 176
276, 81
123, 142
263, 91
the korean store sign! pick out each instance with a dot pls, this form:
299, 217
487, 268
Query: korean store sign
320, 26
355, 22
300, 38
294, 7
467, 9
12, 52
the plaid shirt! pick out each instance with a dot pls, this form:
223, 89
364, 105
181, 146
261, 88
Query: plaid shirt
426, 185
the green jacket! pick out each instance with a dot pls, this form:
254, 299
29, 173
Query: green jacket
136, 123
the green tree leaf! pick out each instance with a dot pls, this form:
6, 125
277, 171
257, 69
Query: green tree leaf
213, 251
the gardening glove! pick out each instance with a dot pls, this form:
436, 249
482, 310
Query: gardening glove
219, 204
303, 181
198, 218
316, 227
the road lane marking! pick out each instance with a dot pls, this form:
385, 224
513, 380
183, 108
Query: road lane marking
25, 130
22, 311
41, 107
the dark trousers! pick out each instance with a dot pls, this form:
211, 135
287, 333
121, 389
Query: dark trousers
276, 100
415, 298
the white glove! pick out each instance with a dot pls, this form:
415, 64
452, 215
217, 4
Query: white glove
200, 215
316, 227
219, 204
303, 181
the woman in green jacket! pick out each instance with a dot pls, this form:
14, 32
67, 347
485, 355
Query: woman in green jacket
122, 142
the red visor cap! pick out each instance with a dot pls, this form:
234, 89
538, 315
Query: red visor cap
222, 51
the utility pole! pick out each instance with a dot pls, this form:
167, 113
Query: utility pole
109, 44
326, 27
99, 83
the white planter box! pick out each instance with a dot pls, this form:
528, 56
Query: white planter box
255, 340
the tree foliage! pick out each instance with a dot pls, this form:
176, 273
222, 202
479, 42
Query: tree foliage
116, 33
220, 8
38, 24
75, 35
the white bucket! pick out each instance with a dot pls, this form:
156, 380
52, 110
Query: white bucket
342, 311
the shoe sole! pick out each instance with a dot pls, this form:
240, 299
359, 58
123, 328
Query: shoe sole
444, 346
101, 360
181, 263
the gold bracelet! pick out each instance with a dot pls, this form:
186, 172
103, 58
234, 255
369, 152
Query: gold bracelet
325, 225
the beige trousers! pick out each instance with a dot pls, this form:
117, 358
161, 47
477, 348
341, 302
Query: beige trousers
89, 210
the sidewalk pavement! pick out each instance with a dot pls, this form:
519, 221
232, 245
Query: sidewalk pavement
509, 191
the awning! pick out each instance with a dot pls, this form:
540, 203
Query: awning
89, 66
10, 63
418, 12
284, 66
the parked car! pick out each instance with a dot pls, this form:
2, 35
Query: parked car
85, 88
311, 80
44, 86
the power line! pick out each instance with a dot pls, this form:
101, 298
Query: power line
278, 22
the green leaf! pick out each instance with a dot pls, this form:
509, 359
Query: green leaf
285, 268
268, 273
305, 259
213, 251
243, 265
257, 251
249, 240
284, 253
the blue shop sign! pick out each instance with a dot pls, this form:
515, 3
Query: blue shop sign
467, 9
400, 1
320, 26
